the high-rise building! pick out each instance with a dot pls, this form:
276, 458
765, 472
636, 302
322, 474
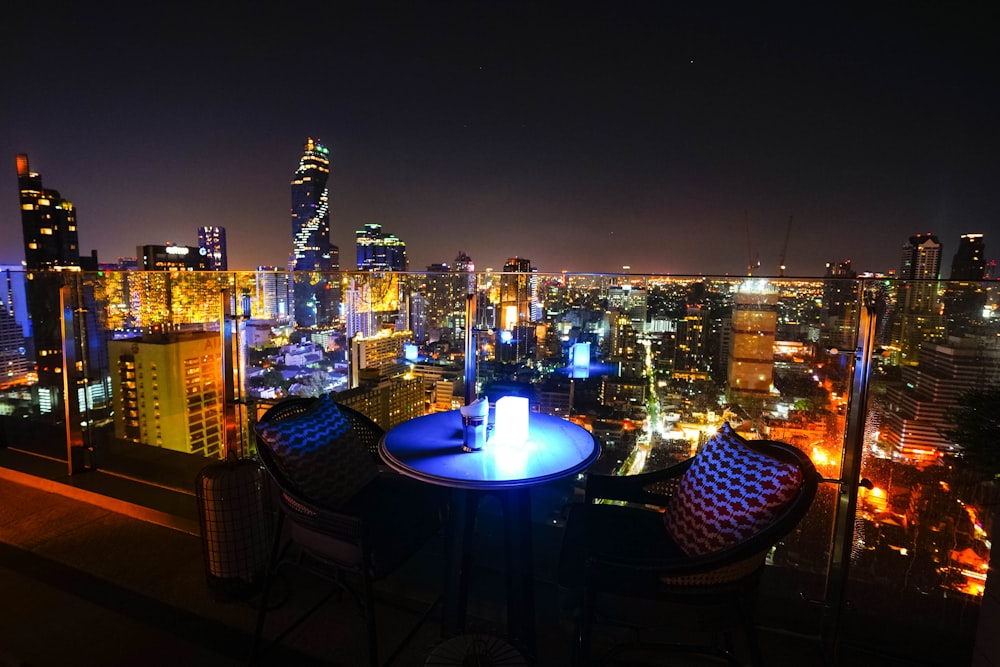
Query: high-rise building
48, 223
840, 295
315, 295
916, 317
917, 408
168, 391
965, 295
379, 251
311, 246
14, 362
213, 241
517, 293
755, 324
271, 294
969, 262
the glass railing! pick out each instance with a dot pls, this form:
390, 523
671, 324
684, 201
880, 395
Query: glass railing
151, 375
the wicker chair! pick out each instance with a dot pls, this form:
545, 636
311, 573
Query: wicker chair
629, 563
365, 535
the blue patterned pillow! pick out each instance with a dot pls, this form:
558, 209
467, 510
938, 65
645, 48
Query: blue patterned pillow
319, 453
729, 493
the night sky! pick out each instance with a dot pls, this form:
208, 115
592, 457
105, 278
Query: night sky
583, 136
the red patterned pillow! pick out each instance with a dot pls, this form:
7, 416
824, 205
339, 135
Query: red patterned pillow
729, 493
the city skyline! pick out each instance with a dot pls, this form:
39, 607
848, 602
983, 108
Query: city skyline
673, 140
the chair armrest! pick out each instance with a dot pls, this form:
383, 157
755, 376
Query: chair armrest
648, 488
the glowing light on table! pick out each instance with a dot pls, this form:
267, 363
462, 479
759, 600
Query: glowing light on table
511, 421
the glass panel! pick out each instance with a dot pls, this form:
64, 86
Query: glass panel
168, 371
924, 527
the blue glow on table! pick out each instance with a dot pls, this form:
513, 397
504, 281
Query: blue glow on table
430, 448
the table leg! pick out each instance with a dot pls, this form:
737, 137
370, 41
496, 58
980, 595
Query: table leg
461, 524
520, 568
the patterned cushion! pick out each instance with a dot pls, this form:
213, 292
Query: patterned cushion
729, 493
320, 454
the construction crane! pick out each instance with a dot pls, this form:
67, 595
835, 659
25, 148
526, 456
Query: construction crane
784, 249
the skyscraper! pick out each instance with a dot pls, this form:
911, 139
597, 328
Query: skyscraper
755, 323
213, 241
311, 211
965, 294
917, 409
315, 295
379, 251
969, 262
916, 316
48, 223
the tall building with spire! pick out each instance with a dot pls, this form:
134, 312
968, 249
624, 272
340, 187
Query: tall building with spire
311, 246
315, 294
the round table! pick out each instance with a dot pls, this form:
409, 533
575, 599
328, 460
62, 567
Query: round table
429, 449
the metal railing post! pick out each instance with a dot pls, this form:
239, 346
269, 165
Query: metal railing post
850, 478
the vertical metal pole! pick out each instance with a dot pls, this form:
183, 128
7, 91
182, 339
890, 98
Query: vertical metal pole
471, 349
847, 500
77, 455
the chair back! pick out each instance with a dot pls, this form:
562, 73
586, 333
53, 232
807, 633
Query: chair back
319, 452
741, 497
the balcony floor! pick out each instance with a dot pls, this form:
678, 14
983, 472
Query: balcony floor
85, 584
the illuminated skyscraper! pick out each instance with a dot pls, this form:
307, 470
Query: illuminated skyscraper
518, 289
311, 211
48, 223
378, 251
755, 323
315, 295
213, 241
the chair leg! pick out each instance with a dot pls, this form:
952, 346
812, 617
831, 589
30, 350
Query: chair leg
583, 629
272, 566
369, 593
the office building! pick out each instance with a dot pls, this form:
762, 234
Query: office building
916, 316
48, 223
969, 262
965, 295
172, 258
212, 240
379, 251
840, 295
917, 408
271, 294
168, 391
